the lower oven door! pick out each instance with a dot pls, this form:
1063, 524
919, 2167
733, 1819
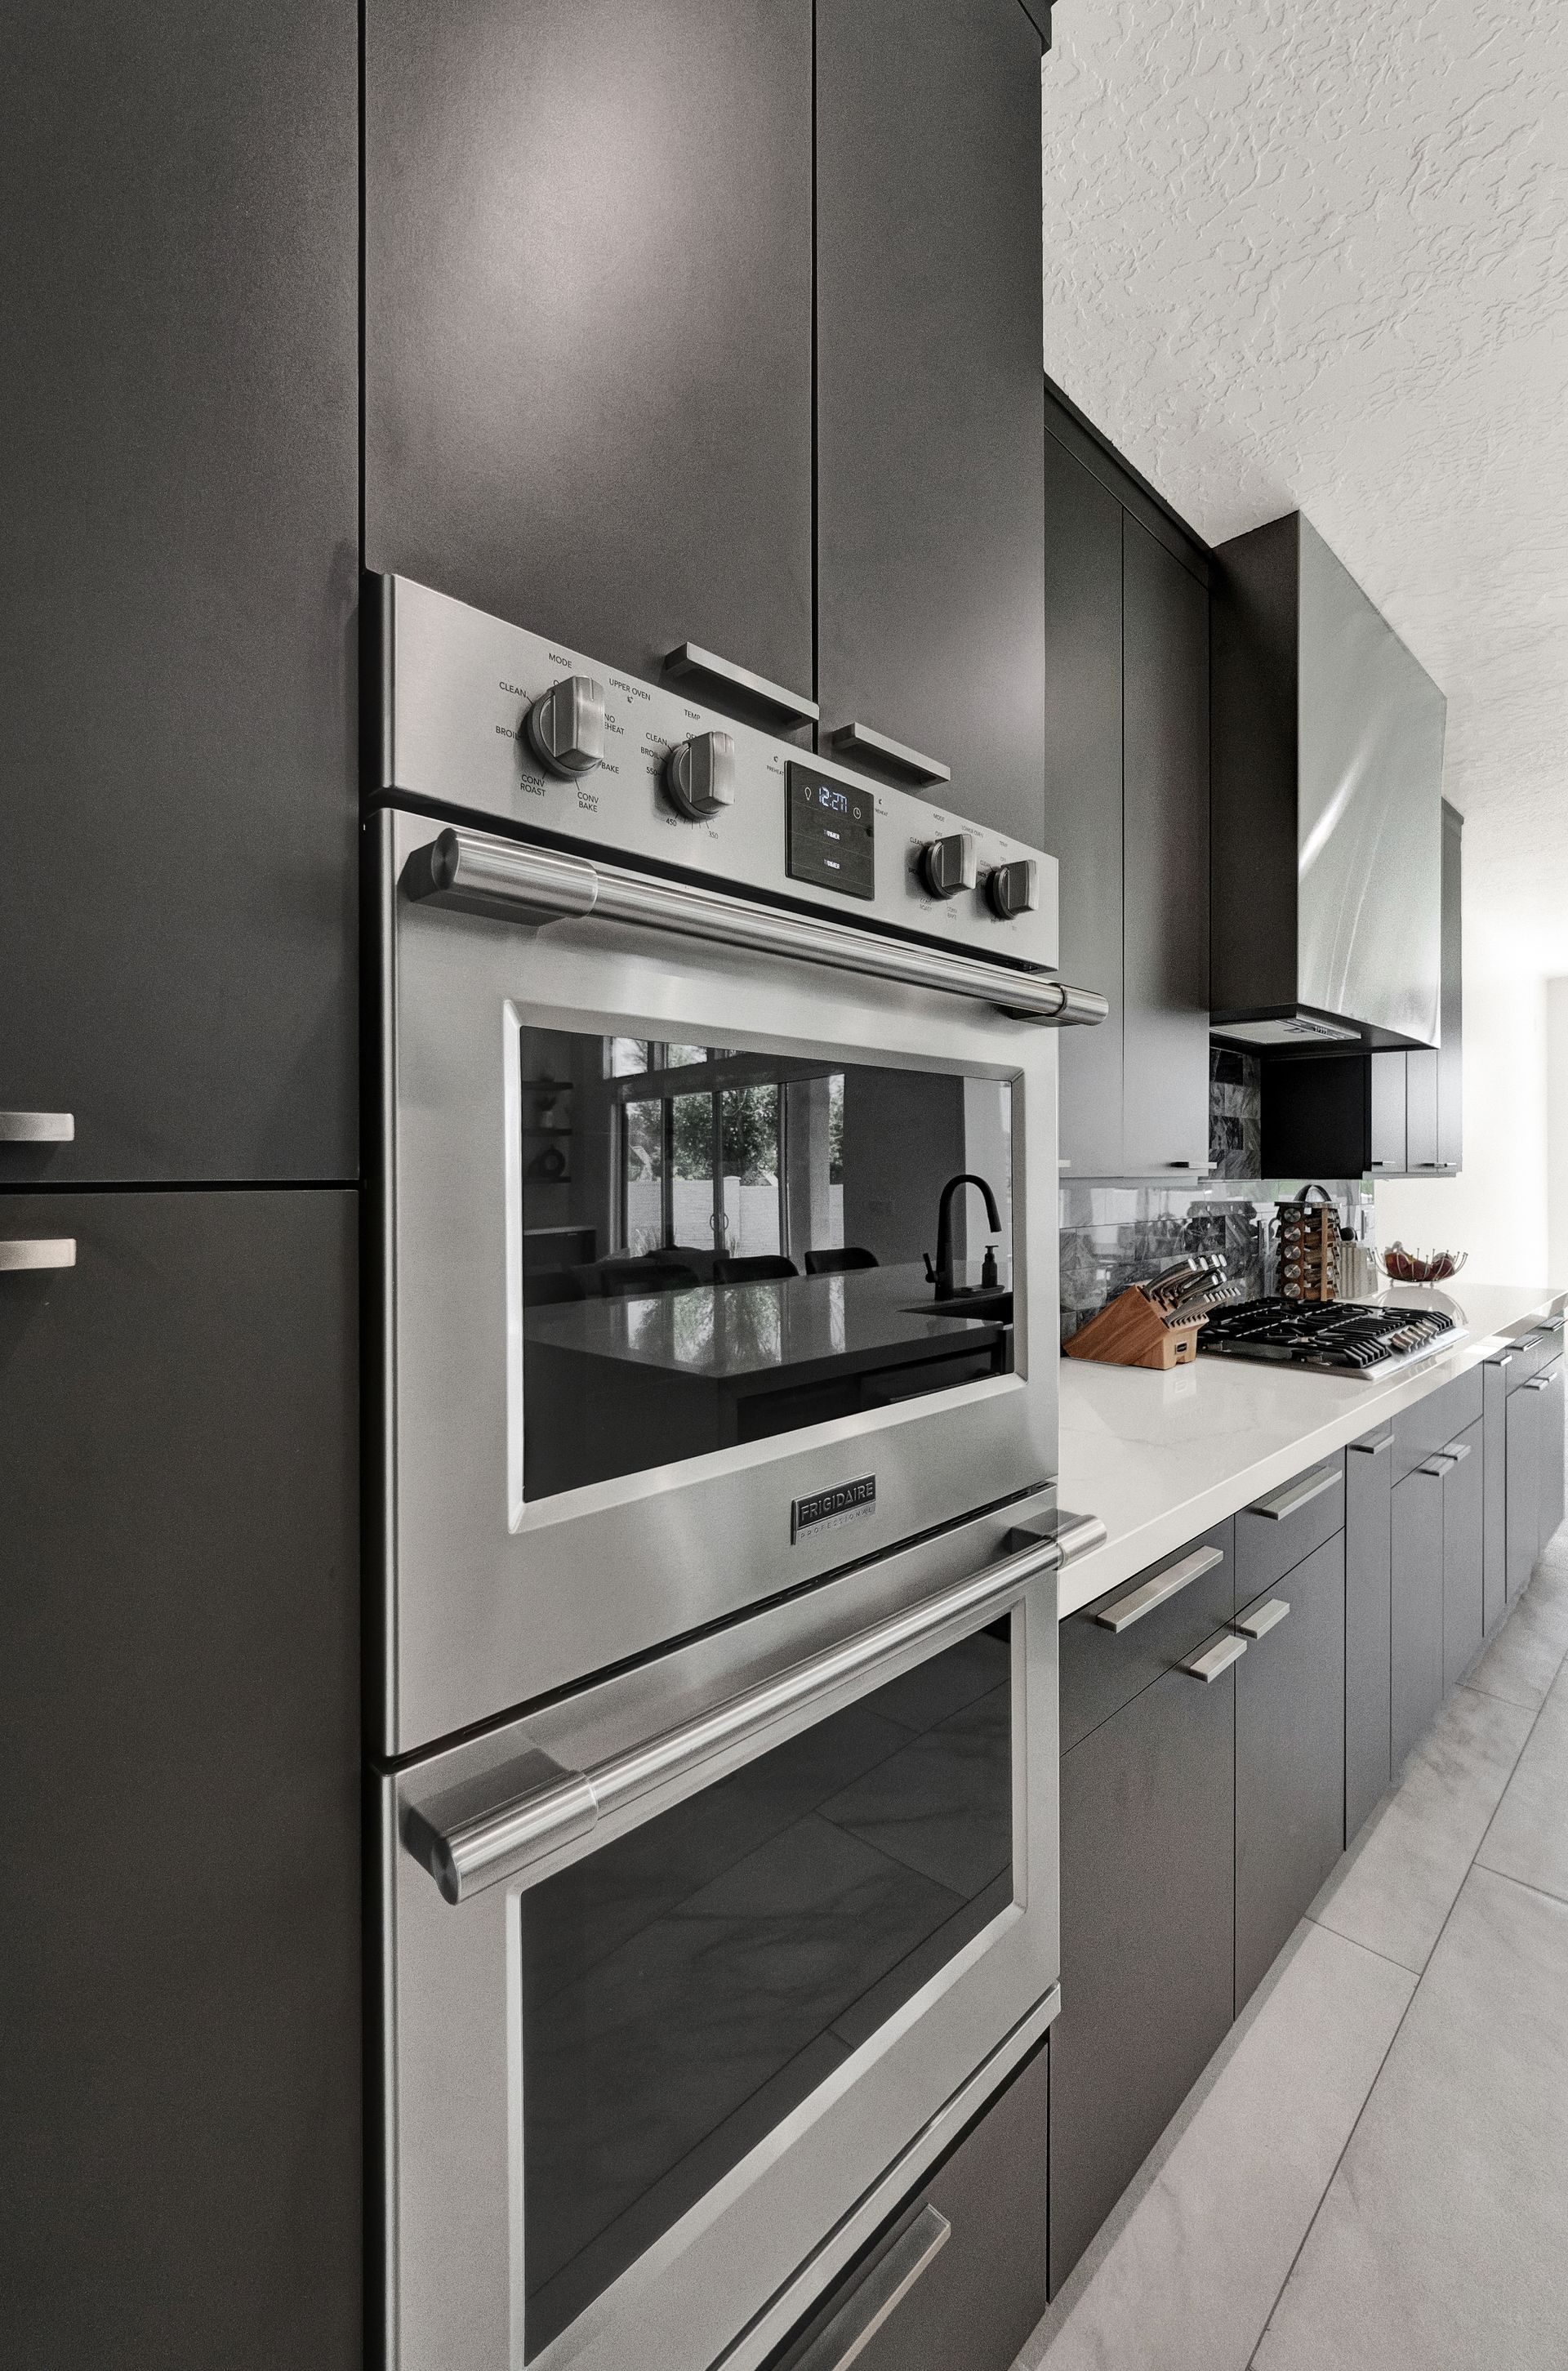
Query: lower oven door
689, 1978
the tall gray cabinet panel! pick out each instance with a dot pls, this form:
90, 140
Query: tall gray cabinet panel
1464, 1616
1148, 1828
588, 320
1416, 1649
1290, 1758
1552, 1454
1494, 1489
1368, 1575
1165, 805
1083, 790
179, 380
1523, 1450
930, 403
180, 1886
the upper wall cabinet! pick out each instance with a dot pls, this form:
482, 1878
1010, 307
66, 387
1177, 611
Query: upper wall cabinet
588, 320
930, 403
177, 899
1126, 811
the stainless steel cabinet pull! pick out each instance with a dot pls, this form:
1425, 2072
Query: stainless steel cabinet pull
42, 1251
1502, 1358
507, 881
1458, 1450
1373, 1448
1214, 1660
1154, 1591
1297, 1493
37, 1127
883, 2288
792, 707
1438, 1464
1262, 1619
1538, 1383
545, 1804
860, 741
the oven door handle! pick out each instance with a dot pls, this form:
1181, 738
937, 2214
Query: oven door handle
483, 1846
507, 881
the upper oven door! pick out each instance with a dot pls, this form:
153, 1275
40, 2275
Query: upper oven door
659, 1339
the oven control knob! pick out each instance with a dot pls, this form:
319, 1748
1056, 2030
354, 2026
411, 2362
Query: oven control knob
700, 775
948, 865
1014, 888
565, 729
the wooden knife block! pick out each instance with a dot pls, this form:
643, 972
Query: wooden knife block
1130, 1331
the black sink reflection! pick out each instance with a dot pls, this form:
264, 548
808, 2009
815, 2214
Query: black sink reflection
993, 1301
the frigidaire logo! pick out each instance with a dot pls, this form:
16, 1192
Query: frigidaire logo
828, 1508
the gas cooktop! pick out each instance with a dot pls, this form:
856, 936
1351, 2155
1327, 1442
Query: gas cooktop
1343, 1336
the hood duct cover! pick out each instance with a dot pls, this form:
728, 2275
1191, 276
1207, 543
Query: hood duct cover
1328, 775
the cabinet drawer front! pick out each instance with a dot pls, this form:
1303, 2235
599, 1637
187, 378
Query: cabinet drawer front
1274, 1534
1136, 1633
1420, 1432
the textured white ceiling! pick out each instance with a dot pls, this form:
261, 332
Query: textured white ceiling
1317, 256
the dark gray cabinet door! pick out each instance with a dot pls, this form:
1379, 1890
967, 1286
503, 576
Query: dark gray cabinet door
1369, 1579
1524, 1455
1289, 1757
1451, 1059
930, 399
588, 320
1083, 792
982, 2291
179, 1885
1495, 1491
1552, 1454
1386, 1113
1464, 1620
1165, 803
178, 735
1416, 1649
1146, 1931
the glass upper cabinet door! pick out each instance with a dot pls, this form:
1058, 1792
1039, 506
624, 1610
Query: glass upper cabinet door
720, 1244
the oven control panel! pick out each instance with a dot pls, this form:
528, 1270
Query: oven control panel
490, 721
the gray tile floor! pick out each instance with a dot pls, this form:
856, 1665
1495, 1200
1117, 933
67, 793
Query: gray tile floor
1374, 2171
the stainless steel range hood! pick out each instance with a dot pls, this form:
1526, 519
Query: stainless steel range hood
1327, 788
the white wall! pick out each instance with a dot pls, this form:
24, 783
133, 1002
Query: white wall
1557, 1131
1498, 1208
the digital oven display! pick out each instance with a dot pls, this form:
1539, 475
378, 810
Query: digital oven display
832, 833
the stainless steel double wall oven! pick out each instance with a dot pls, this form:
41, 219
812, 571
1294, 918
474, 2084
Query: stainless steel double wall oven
715, 1721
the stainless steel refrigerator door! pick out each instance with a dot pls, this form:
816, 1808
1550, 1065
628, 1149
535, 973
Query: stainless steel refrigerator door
725, 2281
492, 1599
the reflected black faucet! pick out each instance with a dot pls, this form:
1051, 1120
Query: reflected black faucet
941, 1275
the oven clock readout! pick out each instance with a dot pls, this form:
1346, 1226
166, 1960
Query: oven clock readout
832, 833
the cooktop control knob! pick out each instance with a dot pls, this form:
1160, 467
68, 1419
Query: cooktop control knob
948, 865
700, 775
1013, 888
565, 729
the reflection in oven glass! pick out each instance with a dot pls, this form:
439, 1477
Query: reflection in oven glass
720, 1245
686, 1987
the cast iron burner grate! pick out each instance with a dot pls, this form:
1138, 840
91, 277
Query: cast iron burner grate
1348, 1336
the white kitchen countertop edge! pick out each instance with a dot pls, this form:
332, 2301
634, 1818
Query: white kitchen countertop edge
1159, 1458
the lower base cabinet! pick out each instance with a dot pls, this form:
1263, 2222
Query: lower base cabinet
1416, 1628
1464, 1608
1368, 1579
1147, 1939
1551, 1452
1525, 1432
969, 2295
180, 1874
1289, 1755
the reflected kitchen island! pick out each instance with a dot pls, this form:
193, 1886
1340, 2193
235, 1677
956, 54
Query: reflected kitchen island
614, 1386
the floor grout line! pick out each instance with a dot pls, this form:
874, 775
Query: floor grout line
1506, 1877
1371, 1949
1421, 1978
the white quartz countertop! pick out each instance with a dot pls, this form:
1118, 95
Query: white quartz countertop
1160, 1457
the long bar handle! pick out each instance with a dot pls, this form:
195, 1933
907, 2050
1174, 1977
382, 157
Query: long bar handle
558, 1804
508, 880
1538, 1383
860, 741
790, 707
1214, 1660
877, 2293
1156, 1591
37, 1127
41, 1251
1297, 1495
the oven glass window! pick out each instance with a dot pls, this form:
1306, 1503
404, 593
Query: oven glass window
720, 1244
687, 1986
